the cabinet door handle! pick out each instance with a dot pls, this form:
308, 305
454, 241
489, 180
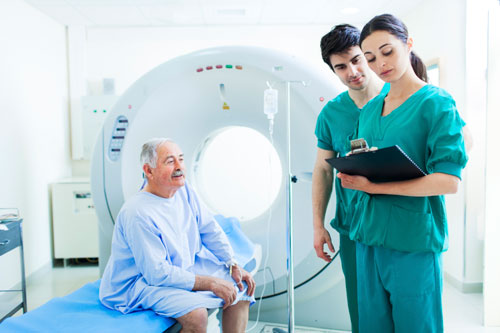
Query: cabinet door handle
5, 242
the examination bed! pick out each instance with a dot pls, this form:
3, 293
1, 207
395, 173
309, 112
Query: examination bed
81, 311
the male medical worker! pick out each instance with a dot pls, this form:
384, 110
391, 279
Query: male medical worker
337, 120
169, 254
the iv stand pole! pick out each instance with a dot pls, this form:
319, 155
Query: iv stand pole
290, 178
289, 229
289, 225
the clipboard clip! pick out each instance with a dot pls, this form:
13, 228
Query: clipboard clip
359, 146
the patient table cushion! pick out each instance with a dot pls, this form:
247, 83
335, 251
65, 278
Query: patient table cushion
81, 311
242, 246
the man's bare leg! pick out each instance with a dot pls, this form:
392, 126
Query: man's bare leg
194, 322
235, 318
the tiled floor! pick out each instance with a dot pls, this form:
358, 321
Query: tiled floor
462, 312
57, 282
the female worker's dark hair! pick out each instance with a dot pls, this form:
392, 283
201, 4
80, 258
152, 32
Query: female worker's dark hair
394, 26
338, 40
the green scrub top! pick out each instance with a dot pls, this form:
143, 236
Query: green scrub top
428, 128
336, 122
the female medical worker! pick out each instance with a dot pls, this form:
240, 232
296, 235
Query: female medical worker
400, 227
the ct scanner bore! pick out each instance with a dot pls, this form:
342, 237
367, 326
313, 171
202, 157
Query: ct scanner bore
182, 99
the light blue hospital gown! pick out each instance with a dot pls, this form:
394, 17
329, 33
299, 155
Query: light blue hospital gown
159, 245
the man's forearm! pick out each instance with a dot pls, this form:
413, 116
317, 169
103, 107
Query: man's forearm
321, 192
202, 282
430, 185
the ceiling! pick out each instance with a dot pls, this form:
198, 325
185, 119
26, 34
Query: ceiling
105, 13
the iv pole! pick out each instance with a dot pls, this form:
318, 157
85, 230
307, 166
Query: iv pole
289, 221
290, 178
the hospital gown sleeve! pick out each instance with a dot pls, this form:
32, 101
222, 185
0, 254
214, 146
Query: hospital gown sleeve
151, 257
211, 233
445, 142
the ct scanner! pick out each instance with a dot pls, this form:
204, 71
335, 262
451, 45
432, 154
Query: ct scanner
190, 99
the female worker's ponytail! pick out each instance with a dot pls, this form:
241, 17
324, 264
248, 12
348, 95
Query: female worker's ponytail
418, 66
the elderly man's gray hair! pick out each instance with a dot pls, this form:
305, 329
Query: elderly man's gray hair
149, 154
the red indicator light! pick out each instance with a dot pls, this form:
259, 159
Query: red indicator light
239, 67
218, 66
209, 67
321, 99
129, 106
199, 70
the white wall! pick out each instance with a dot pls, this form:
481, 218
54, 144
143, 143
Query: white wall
492, 225
476, 55
456, 39
34, 126
442, 36
125, 54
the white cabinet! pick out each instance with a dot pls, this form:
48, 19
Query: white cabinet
74, 220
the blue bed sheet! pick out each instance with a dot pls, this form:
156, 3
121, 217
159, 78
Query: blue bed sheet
81, 311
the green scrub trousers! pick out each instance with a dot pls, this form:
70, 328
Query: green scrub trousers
348, 260
399, 291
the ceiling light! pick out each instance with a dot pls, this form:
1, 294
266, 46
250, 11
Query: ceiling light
350, 11
231, 12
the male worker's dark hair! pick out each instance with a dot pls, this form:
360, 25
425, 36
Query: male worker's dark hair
338, 40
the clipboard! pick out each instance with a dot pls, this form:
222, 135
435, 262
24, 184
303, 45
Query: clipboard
382, 165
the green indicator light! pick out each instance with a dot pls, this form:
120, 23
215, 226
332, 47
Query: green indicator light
95, 111
229, 66
104, 111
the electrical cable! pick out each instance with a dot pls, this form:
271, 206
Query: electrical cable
304, 282
267, 228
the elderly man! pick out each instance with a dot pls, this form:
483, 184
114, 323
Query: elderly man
169, 254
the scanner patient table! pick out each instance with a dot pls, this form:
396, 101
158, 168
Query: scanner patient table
82, 311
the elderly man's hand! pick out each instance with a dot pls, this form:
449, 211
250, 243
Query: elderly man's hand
239, 275
225, 290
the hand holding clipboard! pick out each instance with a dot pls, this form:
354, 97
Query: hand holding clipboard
382, 165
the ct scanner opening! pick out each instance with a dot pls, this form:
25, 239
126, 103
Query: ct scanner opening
237, 172
195, 99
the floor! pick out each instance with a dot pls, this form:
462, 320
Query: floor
462, 312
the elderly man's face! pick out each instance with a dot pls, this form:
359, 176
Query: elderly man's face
169, 173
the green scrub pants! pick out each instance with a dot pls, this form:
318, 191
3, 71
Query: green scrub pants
399, 291
348, 260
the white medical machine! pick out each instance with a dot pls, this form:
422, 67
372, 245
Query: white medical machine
193, 99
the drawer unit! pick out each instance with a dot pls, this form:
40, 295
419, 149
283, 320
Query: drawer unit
11, 237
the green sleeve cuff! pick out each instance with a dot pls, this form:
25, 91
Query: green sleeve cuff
449, 168
324, 145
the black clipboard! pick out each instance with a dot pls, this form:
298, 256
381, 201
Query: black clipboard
382, 165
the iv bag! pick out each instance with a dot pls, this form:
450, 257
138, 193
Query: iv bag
270, 102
